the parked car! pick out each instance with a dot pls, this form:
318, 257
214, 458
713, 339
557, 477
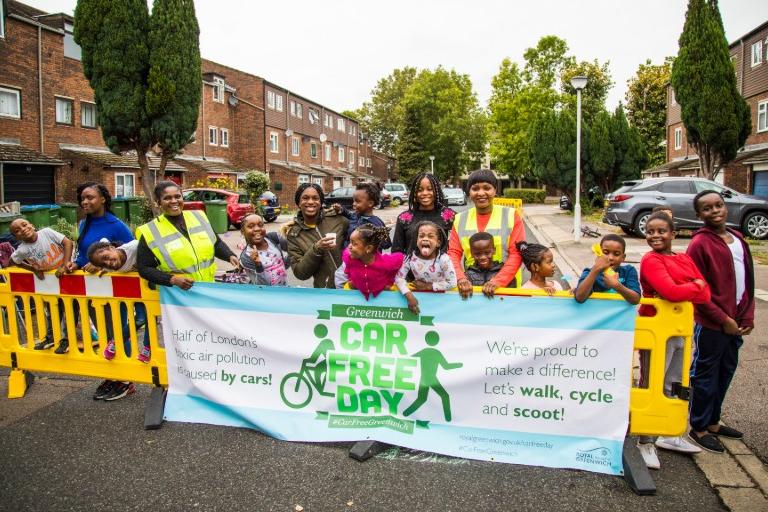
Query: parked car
629, 208
398, 191
238, 205
454, 196
343, 196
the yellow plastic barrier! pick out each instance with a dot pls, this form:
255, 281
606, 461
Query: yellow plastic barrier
651, 412
508, 201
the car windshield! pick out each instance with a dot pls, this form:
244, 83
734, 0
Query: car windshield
453, 192
243, 198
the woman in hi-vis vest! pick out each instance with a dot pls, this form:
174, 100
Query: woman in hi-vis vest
178, 247
503, 223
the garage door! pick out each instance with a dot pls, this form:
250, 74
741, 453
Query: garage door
760, 184
28, 184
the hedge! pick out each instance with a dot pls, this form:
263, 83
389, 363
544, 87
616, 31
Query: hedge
528, 195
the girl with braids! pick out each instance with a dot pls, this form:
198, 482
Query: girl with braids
364, 200
363, 264
312, 237
538, 260
425, 202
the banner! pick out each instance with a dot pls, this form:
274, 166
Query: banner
526, 380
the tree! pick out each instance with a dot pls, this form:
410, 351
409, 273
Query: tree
545, 62
553, 150
647, 107
255, 184
716, 117
411, 156
630, 156
601, 151
145, 74
594, 94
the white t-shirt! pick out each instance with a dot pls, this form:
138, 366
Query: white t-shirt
737, 252
47, 251
130, 249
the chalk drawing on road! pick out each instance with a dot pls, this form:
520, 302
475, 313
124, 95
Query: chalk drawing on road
397, 453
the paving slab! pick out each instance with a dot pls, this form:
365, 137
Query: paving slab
755, 469
743, 500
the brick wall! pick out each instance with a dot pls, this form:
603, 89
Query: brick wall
738, 177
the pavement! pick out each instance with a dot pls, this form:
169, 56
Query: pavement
61, 450
740, 476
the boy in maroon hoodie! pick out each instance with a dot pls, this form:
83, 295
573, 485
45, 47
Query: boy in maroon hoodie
724, 259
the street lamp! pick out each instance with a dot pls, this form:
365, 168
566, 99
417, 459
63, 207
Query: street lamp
432, 163
578, 83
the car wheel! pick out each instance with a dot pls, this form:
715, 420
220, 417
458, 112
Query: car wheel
640, 221
756, 225
627, 230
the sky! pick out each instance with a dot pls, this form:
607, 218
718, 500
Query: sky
335, 52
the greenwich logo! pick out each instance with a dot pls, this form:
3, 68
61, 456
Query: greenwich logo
368, 367
600, 456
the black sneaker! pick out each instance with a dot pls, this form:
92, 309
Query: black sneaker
103, 390
730, 433
44, 344
63, 347
120, 390
707, 442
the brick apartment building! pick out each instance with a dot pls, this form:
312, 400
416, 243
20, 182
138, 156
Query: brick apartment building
748, 172
50, 141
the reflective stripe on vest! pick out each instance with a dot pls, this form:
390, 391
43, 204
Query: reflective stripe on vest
177, 254
499, 227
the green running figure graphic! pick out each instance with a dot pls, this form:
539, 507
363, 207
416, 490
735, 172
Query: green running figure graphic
431, 358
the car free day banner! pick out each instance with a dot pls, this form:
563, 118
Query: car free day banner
527, 380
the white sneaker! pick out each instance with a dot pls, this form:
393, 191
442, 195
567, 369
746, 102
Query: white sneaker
648, 451
677, 444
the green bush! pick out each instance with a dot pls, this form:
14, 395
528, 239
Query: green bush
65, 228
528, 195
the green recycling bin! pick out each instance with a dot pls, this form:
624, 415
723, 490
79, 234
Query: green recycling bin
5, 222
37, 214
134, 210
120, 208
216, 211
54, 213
68, 212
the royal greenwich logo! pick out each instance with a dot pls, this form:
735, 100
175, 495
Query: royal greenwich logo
369, 368
600, 456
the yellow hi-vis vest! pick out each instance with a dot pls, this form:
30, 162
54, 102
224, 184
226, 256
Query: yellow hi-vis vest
178, 255
499, 227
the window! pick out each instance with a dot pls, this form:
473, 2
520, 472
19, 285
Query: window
124, 185
296, 109
224, 138
762, 116
64, 109
328, 121
351, 157
361, 162
341, 155
367, 162
340, 125
313, 150
274, 144
278, 103
757, 53
676, 187
352, 129
218, 89
673, 99
303, 178
313, 115
2, 19
295, 146
328, 152
71, 48
10, 103
87, 115
678, 138
213, 136
317, 180
702, 185
271, 99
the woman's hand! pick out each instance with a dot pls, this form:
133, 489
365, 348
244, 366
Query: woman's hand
336, 207
465, 288
185, 283
235, 261
325, 244
489, 289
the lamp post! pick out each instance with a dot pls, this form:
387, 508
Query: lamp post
432, 163
578, 83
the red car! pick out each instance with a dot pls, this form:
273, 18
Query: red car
238, 205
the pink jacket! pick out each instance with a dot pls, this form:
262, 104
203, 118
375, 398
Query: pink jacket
379, 275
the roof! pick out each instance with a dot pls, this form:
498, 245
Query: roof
16, 153
748, 35
110, 160
211, 165
25, 10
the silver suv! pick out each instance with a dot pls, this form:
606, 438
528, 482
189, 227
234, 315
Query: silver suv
630, 206
399, 193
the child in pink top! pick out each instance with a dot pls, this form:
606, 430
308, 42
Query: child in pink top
364, 266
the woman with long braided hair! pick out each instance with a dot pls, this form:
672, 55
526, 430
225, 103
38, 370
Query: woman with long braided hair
425, 202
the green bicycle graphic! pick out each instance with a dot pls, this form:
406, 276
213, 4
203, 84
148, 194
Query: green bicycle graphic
297, 388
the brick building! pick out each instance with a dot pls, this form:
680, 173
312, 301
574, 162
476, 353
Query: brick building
48, 116
748, 172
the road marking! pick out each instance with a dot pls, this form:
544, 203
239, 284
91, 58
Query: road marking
761, 294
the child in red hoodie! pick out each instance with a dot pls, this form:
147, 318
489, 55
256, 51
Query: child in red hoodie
724, 258
673, 277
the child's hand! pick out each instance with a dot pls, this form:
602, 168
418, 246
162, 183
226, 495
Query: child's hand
731, 327
35, 269
489, 289
602, 263
422, 286
550, 289
700, 283
255, 256
70, 267
336, 207
745, 330
413, 304
91, 269
611, 280
465, 288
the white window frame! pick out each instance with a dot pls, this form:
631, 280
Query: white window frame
71, 102
2, 21
672, 96
327, 152
367, 162
678, 138
69, 42
361, 161
279, 102
218, 89
271, 99
213, 136
82, 110
762, 110
757, 53
303, 178
341, 125
295, 146
274, 142
342, 155
296, 109
328, 122
318, 180
351, 157
17, 93
224, 138
313, 150
313, 116
125, 175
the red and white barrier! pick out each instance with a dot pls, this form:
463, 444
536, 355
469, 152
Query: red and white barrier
123, 287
